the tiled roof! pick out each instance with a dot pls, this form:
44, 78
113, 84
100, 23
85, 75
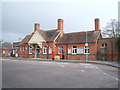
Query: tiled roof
26, 39
49, 35
16, 43
79, 37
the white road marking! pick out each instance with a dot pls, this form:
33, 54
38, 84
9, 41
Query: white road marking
14, 60
62, 66
85, 64
62, 63
82, 70
107, 74
48, 62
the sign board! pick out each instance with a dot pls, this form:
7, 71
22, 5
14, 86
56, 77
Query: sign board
86, 44
60, 47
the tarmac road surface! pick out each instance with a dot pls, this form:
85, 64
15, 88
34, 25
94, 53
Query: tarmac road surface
45, 74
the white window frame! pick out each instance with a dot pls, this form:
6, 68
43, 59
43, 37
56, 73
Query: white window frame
74, 49
50, 50
20, 48
26, 48
69, 50
86, 48
30, 50
45, 50
80, 50
13, 51
23, 48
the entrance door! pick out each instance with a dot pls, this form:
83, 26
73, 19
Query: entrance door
103, 53
37, 52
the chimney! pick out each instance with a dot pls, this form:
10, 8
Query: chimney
36, 26
97, 24
60, 26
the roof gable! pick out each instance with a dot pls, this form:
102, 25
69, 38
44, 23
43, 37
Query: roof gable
36, 38
49, 35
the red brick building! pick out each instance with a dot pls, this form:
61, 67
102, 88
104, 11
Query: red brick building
75, 46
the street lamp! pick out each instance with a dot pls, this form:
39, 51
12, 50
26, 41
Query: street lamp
86, 47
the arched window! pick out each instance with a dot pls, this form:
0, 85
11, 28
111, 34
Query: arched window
50, 50
45, 50
86, 50
74, 49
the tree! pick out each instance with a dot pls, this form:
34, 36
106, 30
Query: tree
112, 29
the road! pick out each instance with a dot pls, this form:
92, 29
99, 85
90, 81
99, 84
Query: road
45, 74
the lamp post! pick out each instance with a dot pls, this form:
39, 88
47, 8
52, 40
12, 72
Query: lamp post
86, 47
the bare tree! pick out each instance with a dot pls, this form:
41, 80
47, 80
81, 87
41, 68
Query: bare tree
112, 29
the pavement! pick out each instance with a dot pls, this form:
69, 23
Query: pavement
110, 63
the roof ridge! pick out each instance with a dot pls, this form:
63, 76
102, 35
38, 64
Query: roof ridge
40, 30
78, 32
51, 30
47, 30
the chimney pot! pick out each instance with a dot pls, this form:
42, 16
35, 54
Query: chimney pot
97, 24
60, 26
36, 26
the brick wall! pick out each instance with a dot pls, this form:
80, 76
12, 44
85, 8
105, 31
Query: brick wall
92, 55
111, 50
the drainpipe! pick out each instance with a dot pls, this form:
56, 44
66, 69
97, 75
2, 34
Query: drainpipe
66, 51
47, 49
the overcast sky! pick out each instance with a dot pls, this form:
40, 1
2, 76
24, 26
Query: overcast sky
18, 18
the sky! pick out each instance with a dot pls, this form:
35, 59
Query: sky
18, 18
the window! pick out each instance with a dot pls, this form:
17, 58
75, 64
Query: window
30, 50
45, 50
80, 50
74, 50
50, 50
69, 50
104, 45
23, 49
20, 48
13, 51
86, 50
